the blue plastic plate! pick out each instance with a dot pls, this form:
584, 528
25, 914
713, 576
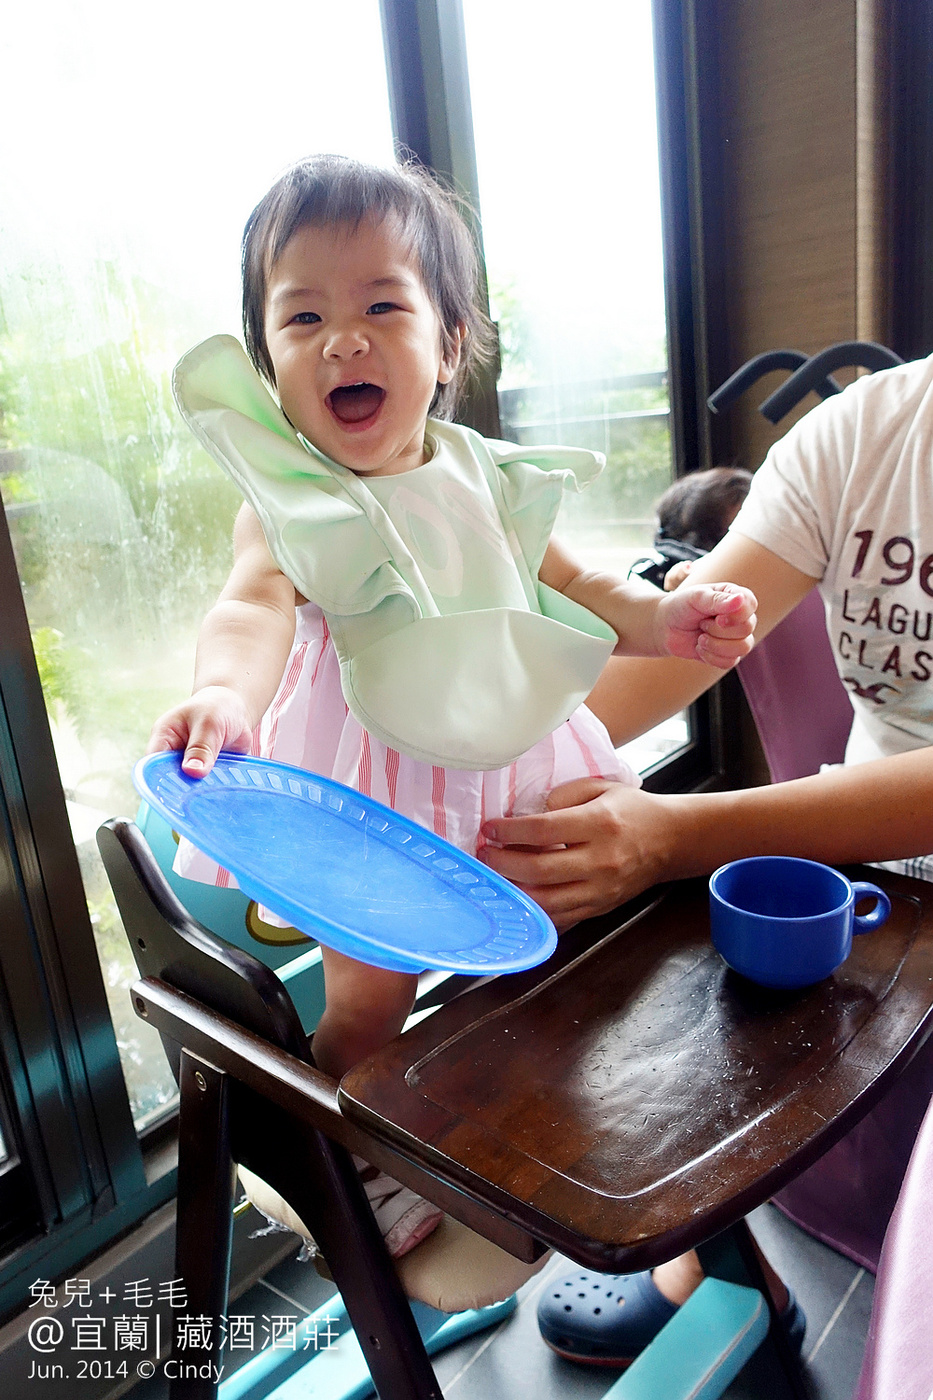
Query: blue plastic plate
349, 872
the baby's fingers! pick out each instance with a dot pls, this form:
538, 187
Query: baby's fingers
722, 652
692, 606
212, 719
169, 732
729, 627
209, 734
727, 602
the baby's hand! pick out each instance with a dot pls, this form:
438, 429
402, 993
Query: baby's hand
212, 719
676, 575
711, 622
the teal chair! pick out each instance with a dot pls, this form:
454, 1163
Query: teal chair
702, 1349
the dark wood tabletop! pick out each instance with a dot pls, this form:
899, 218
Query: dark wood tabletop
633, 1096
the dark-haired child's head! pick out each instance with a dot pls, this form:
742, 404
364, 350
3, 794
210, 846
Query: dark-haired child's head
334, 192
699, 508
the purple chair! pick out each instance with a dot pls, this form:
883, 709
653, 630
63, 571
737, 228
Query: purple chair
898, 1361
800, 706
803, 716
846, 1199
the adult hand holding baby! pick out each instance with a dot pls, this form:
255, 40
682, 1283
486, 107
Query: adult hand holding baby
597, 844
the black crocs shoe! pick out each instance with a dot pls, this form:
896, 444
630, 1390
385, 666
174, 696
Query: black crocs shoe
607, 1319
602, 1319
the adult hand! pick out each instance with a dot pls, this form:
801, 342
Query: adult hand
598, 844
211, 719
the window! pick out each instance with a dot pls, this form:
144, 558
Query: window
131, 161
572, 240
114, 264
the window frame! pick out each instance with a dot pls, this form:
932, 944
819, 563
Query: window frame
908, 66
692, 231
80, 1164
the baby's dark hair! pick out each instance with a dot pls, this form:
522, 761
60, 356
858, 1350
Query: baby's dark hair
327, 190
699, 508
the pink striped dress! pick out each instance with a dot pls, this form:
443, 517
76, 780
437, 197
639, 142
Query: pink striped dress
308, 724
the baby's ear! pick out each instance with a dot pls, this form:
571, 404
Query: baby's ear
450, 358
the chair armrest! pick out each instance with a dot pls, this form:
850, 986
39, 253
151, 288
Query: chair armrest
311, 1097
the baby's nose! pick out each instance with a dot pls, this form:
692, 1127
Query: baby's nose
344, 342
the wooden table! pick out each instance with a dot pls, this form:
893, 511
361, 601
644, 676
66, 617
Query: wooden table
633, 1097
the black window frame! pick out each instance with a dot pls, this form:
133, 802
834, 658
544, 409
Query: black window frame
692, 214
79, 1178
908, 115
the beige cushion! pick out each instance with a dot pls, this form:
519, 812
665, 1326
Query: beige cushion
453, 1269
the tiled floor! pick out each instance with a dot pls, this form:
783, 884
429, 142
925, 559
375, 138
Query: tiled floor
511, 1361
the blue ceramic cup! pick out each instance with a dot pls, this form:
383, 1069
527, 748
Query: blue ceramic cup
786, 922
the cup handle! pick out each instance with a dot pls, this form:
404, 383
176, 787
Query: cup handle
864, 923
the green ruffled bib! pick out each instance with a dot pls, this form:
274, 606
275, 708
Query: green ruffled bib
462, 684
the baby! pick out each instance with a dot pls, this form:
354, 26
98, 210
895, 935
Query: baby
693, 515
398, 615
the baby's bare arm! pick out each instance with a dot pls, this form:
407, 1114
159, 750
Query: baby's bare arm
712, 623
633, 694
243, 646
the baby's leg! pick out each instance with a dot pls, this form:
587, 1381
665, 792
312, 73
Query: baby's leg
366, 1007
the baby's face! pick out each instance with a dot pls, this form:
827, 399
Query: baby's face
356, 345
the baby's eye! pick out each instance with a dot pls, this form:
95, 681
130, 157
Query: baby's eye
379, 308
305, 318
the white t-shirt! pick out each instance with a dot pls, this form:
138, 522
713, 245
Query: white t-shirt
847, 497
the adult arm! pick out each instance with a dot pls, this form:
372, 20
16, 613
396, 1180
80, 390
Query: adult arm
600, 843
635, 693
243, 646
616, 841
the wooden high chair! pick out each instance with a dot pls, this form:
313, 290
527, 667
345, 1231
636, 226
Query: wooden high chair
625, 1102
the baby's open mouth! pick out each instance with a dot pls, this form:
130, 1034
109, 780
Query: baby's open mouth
353, 403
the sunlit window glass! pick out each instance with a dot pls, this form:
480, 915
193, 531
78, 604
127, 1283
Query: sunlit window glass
137, 142
566, 141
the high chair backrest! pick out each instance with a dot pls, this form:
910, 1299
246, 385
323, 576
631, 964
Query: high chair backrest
226, 912
169, 944
800, 705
